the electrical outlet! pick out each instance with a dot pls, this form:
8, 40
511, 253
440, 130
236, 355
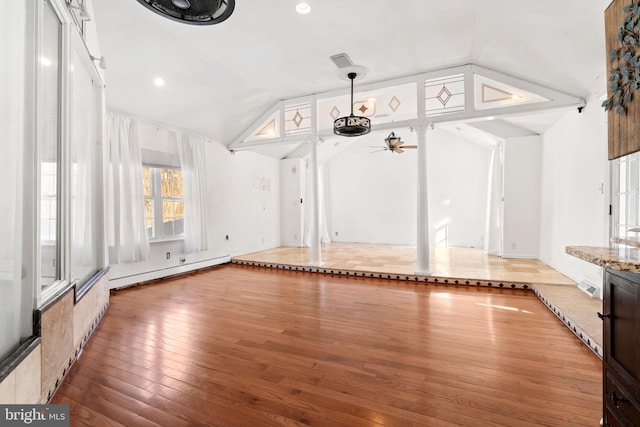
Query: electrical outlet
226, 237
183, 260
168, 255
336, 234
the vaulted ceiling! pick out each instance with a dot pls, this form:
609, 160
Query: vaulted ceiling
220, 78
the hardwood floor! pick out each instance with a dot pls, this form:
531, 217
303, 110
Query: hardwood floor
247, 346
445, 262
578, 310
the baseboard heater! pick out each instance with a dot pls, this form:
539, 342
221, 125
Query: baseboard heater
126, 281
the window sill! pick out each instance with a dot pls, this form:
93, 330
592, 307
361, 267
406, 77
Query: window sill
167, 240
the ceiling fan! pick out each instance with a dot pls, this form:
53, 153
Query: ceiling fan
395, 144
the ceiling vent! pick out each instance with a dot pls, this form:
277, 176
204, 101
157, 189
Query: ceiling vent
342, 60
196, 12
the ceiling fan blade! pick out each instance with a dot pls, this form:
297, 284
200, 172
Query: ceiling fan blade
409, 146
396, 143
376, 151
399, 150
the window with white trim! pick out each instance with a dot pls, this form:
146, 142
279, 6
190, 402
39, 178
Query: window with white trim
163, 202
626, 196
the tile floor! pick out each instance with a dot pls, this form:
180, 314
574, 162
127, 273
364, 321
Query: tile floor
575, 308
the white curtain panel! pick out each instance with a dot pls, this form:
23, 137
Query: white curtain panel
126, 231
194, 181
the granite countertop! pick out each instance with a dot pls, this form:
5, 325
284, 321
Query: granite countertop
629, 242
622, 258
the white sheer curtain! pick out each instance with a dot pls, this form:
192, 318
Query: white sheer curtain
194, 180
126, 231
493, 232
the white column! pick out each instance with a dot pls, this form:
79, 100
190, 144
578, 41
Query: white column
422, 256
316, 255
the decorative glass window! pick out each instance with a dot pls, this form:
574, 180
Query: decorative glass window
163, 202
444, 95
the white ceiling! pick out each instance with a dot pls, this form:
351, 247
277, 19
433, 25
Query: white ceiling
221, 78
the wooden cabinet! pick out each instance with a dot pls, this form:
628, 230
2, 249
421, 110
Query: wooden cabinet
621, 317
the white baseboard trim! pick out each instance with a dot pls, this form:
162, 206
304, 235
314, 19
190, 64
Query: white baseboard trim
570, 275
519, 256
126, 281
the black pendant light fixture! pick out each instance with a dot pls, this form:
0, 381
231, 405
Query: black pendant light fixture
352, 125
195, 12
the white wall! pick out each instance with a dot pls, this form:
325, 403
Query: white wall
372, 196
250, 190
573, 209
521, 189
292, 186
243, 204
457, 178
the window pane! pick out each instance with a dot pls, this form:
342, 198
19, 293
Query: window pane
86, 241
633, 175
146, 181
48, 140
177, 184
172, 217
167, 211
16, 302
149, 218
165, 182
631, 205
178, 209
171, 183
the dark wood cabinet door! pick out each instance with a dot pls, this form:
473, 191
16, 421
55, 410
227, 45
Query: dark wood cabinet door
622, 329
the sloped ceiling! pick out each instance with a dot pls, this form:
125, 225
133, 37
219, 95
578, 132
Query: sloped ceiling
220, 78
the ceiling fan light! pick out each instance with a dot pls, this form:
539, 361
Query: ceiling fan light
392, 139
352, 125
201, 12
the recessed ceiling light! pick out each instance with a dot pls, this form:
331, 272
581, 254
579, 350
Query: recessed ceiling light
158, 81
303, 7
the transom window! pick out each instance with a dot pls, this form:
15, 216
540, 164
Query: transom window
163, 202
